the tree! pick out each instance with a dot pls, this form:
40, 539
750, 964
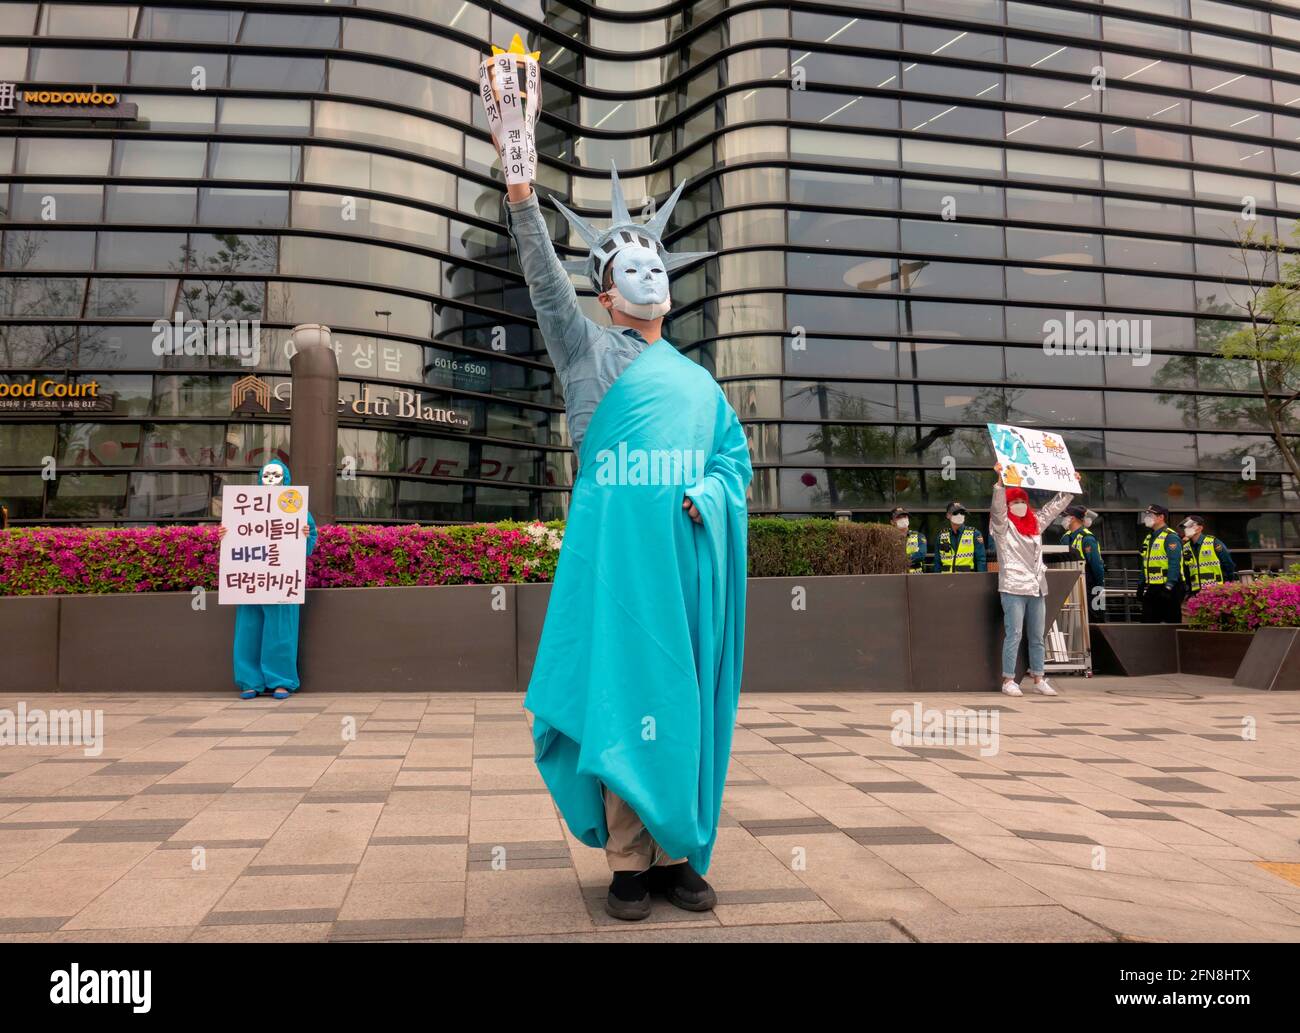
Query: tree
1269, 338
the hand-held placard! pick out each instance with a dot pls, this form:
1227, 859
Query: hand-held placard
512, 107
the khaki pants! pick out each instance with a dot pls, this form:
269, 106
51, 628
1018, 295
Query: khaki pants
630, 847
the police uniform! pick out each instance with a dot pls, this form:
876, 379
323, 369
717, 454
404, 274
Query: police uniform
964, 554
1083, 543
1207, 561
1161, 588
916, 550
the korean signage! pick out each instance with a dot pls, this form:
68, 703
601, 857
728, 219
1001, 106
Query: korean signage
1034, 459
41, 101
264, 547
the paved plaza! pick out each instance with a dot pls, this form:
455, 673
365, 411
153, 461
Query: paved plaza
1161, 808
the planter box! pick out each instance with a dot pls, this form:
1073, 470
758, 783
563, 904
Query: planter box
1273, 660
1216, 654
1134, 650
883, 633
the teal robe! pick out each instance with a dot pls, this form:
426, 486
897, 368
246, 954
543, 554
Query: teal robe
637, 675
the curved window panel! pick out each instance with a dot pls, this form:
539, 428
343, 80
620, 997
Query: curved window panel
45, 249
170, 205
1054, 246
1127, 213
290, 30
243, 207
141, 251
58, 67
189, 114
934, 360
189, 25
958, 403
952, 200
220, 298
819, 107
256, 115
26, 445
186, 69
255, 161
61, 156
928, 155
1039, 366
842, 147
87, 496
812, 187
134, 297
165, 159
174, 496
291, 74
389, 128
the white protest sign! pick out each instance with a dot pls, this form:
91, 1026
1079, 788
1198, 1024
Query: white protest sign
264, 549
1034, 459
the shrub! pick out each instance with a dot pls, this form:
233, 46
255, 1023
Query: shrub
797, 548
86, 561
1268, 602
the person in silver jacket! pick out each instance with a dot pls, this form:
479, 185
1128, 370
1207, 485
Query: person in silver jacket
1017, 532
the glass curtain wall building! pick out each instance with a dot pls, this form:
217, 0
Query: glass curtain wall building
906, 196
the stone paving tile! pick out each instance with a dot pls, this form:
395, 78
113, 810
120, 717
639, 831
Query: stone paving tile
1123, 809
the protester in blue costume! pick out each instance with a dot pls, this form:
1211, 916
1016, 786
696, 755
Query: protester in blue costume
266, 637
636, 681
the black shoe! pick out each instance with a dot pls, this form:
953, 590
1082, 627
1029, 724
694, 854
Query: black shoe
686, 889
629, 897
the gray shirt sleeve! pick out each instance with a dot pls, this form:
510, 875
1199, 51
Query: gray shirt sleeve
565, 329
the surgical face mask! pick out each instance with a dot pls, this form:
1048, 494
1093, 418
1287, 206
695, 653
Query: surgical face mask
902, 522
272, 473
1019, 508
640, 283
1148, 520
1189, 530
958, 519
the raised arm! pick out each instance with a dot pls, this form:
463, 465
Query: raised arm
565, 329
1052, 510
998, 507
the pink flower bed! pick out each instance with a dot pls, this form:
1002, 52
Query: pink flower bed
80, 561
1272, 602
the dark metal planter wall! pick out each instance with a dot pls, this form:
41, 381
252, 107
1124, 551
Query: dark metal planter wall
888, 633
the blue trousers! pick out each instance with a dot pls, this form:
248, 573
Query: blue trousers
266, 647
1017, 610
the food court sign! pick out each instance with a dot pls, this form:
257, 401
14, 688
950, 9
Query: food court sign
38, 101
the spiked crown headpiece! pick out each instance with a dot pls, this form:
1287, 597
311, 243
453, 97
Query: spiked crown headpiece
624, 231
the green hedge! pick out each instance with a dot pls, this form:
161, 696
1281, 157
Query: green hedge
798, 548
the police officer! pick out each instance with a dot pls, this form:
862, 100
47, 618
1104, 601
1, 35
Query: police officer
1083, 543
1206, 560
1162, 562
917, 546
958, 547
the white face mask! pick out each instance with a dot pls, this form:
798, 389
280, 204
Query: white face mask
1189, 532
1019, 509
1148, 520
272, 473
640, 283
902, 522
650, 310
958, 519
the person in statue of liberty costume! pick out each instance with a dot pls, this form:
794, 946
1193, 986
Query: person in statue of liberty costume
635, 686
265, 653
